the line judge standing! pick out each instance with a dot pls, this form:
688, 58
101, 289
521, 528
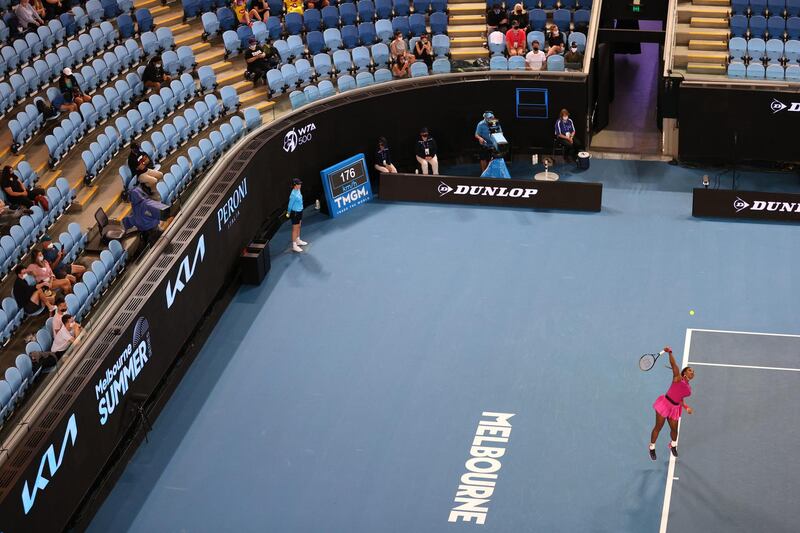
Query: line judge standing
295, 214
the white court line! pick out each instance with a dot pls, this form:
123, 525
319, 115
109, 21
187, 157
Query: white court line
746, 366
745, 332
671, 468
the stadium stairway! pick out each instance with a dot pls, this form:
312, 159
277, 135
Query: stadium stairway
702, 34
106, 189
467, 29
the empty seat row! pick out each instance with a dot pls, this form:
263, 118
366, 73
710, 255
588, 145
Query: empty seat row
760, 26
555, 63
179, 61
25, 234
785, 8
22, 51
563, 18
15, 385
774, 71
756, 48
193, 8
158, 41
96, 280
544, 4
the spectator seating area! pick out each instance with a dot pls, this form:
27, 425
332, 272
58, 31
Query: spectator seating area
765, 40
24, 235
336, 41
746, 39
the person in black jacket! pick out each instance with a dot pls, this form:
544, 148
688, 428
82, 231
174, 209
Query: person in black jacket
143, 168
30, 298
383, 159
426, 152
17, 194
70, 89
154, 76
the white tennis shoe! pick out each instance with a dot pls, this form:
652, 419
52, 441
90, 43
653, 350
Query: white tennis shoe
301, 242
296, 248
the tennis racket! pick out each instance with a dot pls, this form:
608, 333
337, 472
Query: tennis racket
648, 360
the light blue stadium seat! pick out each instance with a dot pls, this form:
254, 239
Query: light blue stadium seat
775, 72
555, 63
346, 83
498, 63
231, 42
297, 99
755, 71
792, 73
208, 80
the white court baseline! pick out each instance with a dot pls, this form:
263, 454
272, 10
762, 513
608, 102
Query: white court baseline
686, 362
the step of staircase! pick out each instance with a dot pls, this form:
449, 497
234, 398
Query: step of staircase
720, 3
160, 10
470, 52
707, 56
148, 4
169, 19
253, 96
189, 37
461, 42
458, 20
200, 47
467, 8
210, 56
697, 44
687, 11
84, 197
180, 29
707, 22
466, 30
706, 68
684, 33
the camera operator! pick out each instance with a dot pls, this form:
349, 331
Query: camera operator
483, 134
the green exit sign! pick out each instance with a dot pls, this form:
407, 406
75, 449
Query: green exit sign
636, 8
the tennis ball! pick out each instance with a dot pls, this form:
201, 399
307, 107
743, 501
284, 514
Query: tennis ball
691, 312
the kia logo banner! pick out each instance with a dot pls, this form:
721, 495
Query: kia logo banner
492, 191
746, 204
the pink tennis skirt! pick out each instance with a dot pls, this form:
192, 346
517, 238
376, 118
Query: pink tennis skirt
666, 409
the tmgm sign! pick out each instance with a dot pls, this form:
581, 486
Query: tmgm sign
346, 185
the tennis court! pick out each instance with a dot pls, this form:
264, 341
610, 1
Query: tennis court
738, 469
345, 393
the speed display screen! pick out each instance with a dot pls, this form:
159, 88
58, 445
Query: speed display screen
346, 185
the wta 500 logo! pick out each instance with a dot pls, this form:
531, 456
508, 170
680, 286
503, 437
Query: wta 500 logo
297, 136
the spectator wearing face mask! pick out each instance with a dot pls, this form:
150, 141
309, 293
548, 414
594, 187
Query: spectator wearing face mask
518, 15
154, 76
573, 55
515, 40
555, 40
423, 50
401, 67
53, 255
426, 151
17, 194
70, 89
536, 59
383, 159
398, 46
43, 274
67, 336
565, 135
496, 19
256, 64
30, 298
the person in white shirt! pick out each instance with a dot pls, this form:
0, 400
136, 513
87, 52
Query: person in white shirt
27, 16
536, 59
66, 336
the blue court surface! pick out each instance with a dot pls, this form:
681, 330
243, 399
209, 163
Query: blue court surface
345, 393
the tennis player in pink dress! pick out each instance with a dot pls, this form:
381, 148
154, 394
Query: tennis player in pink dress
669, 406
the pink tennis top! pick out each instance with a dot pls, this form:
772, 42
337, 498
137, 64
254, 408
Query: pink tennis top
680, 390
